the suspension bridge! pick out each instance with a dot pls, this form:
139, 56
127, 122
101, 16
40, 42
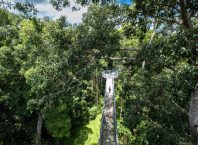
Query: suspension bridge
108, 131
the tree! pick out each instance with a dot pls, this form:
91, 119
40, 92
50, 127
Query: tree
181, 13
26, 7
14, 90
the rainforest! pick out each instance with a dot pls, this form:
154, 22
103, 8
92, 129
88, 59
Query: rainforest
52, 91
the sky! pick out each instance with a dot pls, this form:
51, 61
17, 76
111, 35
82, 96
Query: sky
46, 9
128, 2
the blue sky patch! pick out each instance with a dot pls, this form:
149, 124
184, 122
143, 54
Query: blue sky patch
127, 2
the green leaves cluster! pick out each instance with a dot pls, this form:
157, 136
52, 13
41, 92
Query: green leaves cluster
158, 95
47, 68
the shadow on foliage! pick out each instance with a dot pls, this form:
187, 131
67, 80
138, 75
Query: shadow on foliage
79, 136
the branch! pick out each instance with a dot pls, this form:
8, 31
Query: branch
171, 21
155, 23
154, 31
6, 4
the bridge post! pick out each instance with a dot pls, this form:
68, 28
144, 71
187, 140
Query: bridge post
108, 131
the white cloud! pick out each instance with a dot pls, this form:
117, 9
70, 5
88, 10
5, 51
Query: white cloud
46, 9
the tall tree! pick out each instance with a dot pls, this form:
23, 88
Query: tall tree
180, 13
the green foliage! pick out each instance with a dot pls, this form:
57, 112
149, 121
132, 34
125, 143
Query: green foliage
25, 7
156, 109
125, 135
53, 68
148, 132
93, 112
99, 25
58, 122
59, 4
87, 134
32, 67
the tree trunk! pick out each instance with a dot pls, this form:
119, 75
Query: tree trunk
185, 16
193, 111
38, 129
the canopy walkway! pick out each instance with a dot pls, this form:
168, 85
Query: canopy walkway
108, 131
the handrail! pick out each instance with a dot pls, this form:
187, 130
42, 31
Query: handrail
115, 121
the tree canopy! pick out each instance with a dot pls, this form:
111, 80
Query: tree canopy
51, 88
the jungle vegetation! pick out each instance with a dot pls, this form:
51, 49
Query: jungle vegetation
51, 88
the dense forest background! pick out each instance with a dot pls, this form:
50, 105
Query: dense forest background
51, 89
